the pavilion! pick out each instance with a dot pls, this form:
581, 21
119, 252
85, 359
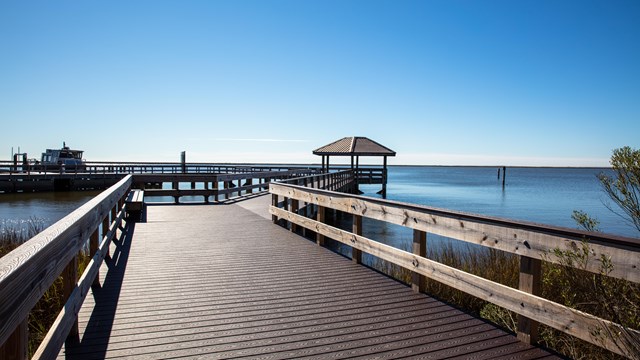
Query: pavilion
355, 147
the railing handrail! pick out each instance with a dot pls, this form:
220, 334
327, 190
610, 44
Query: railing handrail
528, 240
550, 230
299, 180
29, 270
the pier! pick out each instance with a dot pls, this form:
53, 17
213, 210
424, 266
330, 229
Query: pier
234, 277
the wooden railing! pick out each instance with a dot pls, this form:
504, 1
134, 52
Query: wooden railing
369, 175
28, 271
102, 167
216, 186
531, 242
340, 181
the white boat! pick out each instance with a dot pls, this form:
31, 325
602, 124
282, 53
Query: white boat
65, 156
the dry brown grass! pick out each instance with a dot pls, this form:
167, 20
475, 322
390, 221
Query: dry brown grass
44, 313
608, 298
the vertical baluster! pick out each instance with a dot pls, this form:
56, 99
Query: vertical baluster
94, 242
356, 254
530, 282
320, 216
419, 249
274, 203
70, 278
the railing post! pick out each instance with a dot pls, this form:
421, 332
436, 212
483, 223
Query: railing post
356, 254
105, 230
320, 218
215, 189
17, 345
225, 184
249, 182
175, 185
286, 207
274, 202
294, 209
70, 278
94, 242
530, 282
419, 248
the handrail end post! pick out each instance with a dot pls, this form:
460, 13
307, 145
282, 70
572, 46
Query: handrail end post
418, 281
530, 282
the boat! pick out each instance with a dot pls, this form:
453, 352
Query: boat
66, 156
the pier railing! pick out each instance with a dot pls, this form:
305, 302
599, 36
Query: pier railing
28, 271
371, 175
108, 167
531, 242
216, 186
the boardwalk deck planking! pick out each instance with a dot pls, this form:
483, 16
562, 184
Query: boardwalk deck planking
222, 281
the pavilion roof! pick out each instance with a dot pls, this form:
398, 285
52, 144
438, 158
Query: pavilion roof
354, 146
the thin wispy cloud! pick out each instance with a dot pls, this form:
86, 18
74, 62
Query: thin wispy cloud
261, 140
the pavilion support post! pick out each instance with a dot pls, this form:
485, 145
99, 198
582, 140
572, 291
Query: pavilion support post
384, 178
357, 176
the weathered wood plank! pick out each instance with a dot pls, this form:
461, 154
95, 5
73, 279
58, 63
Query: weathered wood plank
573, 322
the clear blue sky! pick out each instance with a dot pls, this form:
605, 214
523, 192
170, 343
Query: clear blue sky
440, 82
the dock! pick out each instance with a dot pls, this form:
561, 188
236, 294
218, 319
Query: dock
234, 277
224, 282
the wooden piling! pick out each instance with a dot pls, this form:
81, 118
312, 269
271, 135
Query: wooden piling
504, 175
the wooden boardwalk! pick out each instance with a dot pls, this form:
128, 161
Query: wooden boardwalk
222, 281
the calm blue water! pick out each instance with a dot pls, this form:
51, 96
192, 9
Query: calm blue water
543, 195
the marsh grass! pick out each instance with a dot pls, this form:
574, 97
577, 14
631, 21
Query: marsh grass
44, 313
565, 283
